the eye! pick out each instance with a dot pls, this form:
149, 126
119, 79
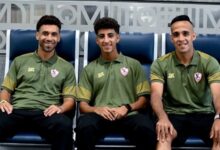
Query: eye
100, 36
110, 35
45, 33
54, 34
175, 34
185, 33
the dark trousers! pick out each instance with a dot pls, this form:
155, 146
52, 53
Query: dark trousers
138, 128
57, 129
193, 124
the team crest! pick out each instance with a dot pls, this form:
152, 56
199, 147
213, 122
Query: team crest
54, 73
124, 71
197, 76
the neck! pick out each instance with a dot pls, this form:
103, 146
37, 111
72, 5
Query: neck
45, 55
109, 56
185, 58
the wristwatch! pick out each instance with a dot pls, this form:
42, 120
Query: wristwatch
217, 116
128, 106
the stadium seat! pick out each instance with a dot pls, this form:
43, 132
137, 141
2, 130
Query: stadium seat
23, 41
140, 46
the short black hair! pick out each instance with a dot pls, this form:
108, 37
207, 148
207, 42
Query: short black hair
180, 18
48, 20
106, 23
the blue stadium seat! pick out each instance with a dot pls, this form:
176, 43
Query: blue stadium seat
23, 41
142, 47
209, 44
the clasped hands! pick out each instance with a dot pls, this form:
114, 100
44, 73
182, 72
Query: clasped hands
112, 114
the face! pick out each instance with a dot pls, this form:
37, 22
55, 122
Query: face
107, 40
182, 36
48, 36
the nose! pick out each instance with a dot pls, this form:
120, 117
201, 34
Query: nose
106, 39
49, 37
181, 37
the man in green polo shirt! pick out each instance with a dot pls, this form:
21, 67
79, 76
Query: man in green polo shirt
39, 90
185, 88
112, 90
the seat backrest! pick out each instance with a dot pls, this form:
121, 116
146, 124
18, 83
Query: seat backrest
23, 41
141, 46
209, 44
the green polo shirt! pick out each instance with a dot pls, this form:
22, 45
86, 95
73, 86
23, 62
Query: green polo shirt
186, 88
37, 84
104, 83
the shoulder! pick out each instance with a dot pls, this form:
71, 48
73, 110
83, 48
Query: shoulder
166, 57
130, 60
64, 62
206, 58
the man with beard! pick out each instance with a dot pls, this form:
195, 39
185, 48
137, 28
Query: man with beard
39, 90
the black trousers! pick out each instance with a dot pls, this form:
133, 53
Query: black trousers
57, 129
192, 124
138, 128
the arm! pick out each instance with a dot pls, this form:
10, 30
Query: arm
215, 131
164, 128
5, 105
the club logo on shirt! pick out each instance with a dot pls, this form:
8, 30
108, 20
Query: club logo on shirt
54, 73
124, 71
197, 76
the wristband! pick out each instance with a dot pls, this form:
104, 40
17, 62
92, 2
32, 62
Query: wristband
128, 106
217, 116
3, 101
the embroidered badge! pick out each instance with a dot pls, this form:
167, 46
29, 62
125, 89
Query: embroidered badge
54, 73
197, 76
124, 71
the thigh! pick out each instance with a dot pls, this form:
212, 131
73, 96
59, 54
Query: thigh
91, 119
182, 127
48, 125
201, 126
11, 123
140, 121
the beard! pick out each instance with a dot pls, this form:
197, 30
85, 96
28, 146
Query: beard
48, 47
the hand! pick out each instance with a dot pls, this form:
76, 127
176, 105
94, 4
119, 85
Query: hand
120, 112
165, 130
5, 106
105, 112
52, 110
215, 132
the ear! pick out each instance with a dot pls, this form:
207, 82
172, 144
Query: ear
37, 36
194, 36
118, 38
58, 40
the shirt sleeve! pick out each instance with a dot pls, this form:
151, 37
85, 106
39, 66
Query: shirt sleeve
69, 85
156, 74
142, 84
213, 71
84, 92
10, 80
